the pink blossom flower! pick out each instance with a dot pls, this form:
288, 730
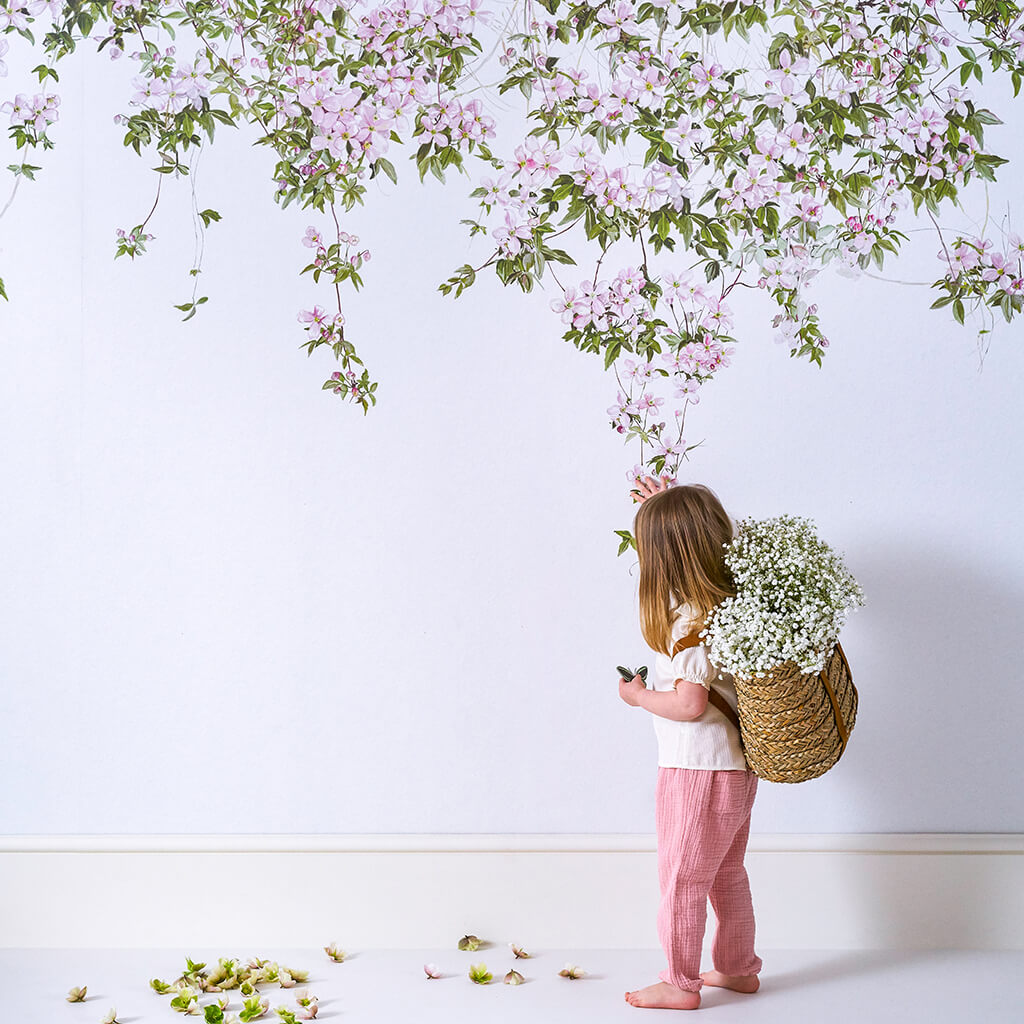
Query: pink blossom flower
788, 100
512, 235
787, 70
780, 272
809, 209
636, 371
496, 191
685, 134
706, 77
998, 268
618, 22
673, 448
794, 143
565, 305
930, 167
315, 316
649, 402
1015, 246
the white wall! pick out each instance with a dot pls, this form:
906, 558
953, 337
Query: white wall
819, 891
232, 603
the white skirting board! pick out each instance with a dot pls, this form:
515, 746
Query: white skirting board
843, 891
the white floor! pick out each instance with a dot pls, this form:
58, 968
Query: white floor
380, 987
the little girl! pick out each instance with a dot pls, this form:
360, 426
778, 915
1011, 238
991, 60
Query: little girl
705, 790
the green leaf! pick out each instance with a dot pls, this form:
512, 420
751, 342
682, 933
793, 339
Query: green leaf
382, 164
987, 117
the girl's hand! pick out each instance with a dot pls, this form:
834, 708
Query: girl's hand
648, 486
630, 690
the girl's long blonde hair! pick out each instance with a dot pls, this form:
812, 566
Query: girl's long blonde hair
680, 533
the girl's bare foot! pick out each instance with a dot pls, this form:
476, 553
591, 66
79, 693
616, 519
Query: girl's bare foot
737, 982
664, 996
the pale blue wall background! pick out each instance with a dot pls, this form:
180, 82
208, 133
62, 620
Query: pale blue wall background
232, 603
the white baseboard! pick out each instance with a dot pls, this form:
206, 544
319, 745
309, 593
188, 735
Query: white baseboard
849, 891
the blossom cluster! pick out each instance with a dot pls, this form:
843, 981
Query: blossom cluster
35, 113
793, 594
977, 258
232, 975
706, 165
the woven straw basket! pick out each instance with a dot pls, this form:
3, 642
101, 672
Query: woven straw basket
795, 725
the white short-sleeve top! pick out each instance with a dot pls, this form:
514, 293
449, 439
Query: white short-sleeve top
711, 741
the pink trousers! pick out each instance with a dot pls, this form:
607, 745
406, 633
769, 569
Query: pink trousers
703, 821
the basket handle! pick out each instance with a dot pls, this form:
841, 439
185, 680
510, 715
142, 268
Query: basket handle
844, 733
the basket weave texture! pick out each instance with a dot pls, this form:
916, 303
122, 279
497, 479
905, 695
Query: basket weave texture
789, 719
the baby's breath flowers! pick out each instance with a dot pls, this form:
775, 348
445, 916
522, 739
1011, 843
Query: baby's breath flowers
337, 955
513, 978
793, 596
572, 971
470, 942
479, 974
77, 995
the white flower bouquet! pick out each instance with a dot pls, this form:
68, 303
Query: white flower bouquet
793, 596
